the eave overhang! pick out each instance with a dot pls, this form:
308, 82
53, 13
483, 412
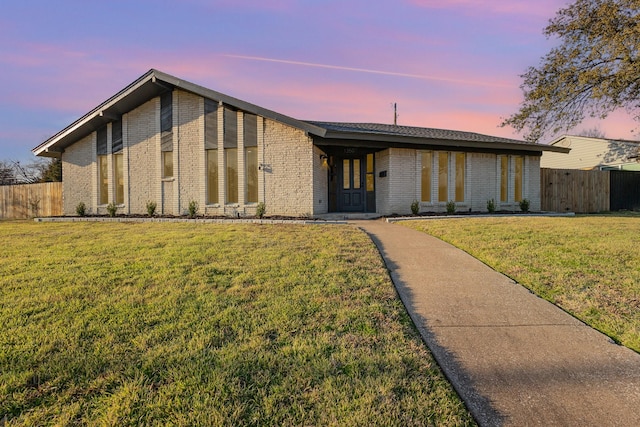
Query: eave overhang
355, 139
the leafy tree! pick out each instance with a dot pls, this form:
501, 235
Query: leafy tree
594, 70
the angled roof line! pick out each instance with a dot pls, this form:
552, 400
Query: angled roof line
146, 87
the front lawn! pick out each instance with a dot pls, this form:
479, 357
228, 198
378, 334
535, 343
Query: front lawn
203, 324
589, 266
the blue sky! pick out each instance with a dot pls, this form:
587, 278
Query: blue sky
447, 64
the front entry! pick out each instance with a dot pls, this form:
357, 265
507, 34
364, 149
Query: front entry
351, 188
351, 180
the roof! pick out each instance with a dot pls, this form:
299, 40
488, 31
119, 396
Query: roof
413, 136
153, 83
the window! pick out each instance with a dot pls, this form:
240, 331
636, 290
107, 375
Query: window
504, 179
460, 167
212, 176
211, 149
231, 155
166, 131
519, 161
103, 167
425, 178
167, 164
231, 178
250, 127
116, 136
443, 177
103, 180
118, 169
370, 175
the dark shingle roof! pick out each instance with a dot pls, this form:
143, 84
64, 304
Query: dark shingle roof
412, 131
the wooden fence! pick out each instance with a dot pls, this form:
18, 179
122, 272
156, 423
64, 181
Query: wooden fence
30, 200
572, 190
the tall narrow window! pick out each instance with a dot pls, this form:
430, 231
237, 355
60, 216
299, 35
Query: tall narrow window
346, 174
356, 174
231, 164
167, 164
118, 173
370, 177
211, 147
118, 163
103, 168
443, 177
425, 178
212, 176
460, 169
251, 158
231, 155
103, 180
504, 179
166, 132
517, 183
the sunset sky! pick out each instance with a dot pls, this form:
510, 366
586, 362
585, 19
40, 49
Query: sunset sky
452, 64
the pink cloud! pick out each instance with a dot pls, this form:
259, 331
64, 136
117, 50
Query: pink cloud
545, 8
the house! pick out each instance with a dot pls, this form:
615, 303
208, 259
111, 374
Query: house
165, 140
593, 153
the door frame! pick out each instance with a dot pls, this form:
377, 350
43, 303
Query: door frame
335, 171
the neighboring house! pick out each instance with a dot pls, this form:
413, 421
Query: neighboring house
593, 153
168, 141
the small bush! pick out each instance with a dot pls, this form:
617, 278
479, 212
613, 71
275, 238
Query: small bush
193, 209
261, 209
415, 207
491, 205
151, 208
112, 208
451, 207
524, 205
81, 209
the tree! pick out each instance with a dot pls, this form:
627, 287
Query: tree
38, 170
594, 70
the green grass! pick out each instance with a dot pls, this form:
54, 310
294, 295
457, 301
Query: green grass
589, 266
202, 324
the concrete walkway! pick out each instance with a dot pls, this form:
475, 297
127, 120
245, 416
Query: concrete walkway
514, 358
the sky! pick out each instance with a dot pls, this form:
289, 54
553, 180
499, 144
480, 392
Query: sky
450, 64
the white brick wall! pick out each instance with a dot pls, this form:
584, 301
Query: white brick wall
143, 146
78, 166
289, 170
189, 168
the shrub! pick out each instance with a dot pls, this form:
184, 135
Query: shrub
491, 205
451, 207
193, 209
415, 207
112, 208
151, 208
81, 209
524, 205
261, 209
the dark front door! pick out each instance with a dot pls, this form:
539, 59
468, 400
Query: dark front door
351, 188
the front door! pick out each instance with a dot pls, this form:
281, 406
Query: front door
351, 188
